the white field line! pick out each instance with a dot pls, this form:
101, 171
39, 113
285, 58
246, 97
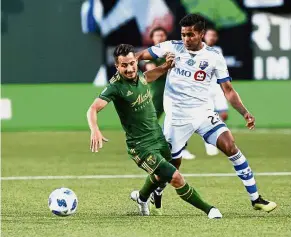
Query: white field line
131, 176
286, 131
261, 131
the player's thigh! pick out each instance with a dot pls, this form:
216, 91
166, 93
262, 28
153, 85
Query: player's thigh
177, 136
155, 163
211, 127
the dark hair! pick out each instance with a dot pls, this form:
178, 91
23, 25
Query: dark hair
193, 20
122, 49
159, 28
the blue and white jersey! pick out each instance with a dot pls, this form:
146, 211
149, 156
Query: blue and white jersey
188, 83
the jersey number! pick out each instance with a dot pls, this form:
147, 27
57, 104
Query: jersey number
214, 120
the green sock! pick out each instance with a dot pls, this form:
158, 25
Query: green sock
188, 194
151, 183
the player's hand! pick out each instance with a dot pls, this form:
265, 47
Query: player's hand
250, 121
97, 140
170, 60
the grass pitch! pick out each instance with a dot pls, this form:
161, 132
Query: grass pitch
104, 205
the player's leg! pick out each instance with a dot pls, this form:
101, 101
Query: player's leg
221, 107
156, 196
151, 182
169, 173
215, 132
165, 172
176, 137
226, 144
141, 197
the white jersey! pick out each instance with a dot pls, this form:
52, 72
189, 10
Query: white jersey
188, 83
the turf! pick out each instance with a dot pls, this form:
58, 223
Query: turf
104, 205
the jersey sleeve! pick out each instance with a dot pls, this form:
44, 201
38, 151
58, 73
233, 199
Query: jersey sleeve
220, 70
109, 93
159, 50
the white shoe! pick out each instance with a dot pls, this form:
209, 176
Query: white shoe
211, 150
187, 155
143, 206
214, 213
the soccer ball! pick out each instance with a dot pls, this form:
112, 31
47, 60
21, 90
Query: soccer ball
63, 202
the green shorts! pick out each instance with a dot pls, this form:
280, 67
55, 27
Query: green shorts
155, 160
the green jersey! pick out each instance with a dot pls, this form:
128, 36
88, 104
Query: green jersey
133, 103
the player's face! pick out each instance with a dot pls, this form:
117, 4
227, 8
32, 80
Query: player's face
192, 38
211, 37
127, 66
159, 37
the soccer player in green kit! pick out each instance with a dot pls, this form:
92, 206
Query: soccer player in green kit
130, 93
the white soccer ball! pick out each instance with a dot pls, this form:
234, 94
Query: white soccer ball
63, 202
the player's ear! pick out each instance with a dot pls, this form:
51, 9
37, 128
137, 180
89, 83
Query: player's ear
116, 64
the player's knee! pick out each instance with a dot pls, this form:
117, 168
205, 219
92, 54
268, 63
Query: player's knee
177, 180
230, 148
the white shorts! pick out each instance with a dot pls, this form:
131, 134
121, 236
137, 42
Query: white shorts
177, 132
218, 100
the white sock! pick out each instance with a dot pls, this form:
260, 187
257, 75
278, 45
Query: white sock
245, 173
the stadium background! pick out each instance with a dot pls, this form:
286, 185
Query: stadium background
51, 72
43, 47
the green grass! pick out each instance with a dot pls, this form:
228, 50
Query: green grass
104, 206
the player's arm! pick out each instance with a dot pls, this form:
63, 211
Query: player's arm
154, 52
157, 72
108, 94
231, 95
143, 55
150, 66
234, 99
96, 135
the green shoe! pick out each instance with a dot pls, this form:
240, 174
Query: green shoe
261, 204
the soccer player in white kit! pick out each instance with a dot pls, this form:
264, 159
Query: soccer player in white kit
186, 100
217, 98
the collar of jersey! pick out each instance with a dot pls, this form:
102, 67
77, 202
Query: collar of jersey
130, 81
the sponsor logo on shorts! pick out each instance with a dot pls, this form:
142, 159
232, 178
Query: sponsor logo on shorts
151, 160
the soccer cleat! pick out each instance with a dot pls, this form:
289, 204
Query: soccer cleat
261, 204
156, 204
187, 155
214, 213
143, 206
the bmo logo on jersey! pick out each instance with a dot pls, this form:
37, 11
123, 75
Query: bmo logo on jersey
182, 72
200, 75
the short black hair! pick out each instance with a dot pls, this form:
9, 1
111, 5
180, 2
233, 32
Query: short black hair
193, 20
122, 49
159, 28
